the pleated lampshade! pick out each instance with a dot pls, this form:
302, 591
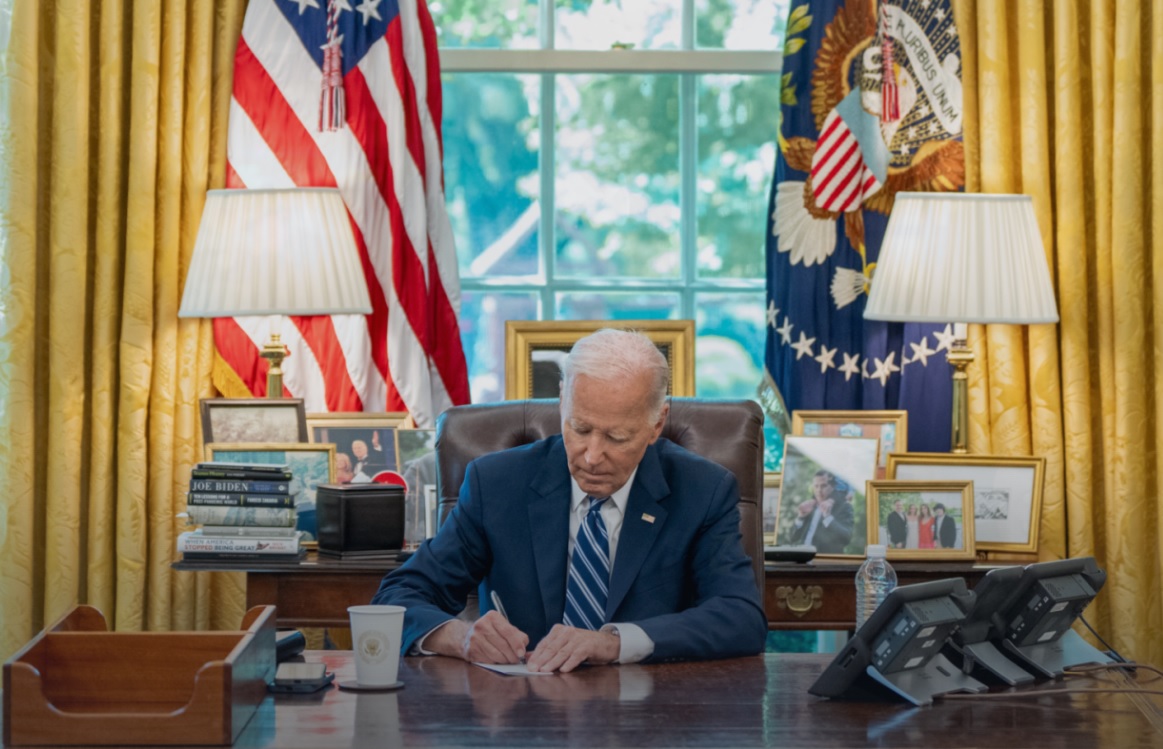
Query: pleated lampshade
959, 257
275, 252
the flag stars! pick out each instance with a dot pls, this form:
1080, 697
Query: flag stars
803, 346
305, 4
922, 352
785, 331
884, 369
940, 14
369, 10
944, 338
825, 358
850, 366
772, 314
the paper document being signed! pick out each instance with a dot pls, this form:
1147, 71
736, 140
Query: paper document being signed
513, 669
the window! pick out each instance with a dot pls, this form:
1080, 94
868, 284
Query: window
611, 159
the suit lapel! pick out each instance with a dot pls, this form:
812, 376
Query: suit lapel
641, 525
549, 526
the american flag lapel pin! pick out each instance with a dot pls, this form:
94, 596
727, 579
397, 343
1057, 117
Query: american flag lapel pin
648, 517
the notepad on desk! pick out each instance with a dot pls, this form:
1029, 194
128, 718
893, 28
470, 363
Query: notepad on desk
512, 669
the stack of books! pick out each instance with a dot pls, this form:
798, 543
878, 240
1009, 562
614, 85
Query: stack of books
246, 512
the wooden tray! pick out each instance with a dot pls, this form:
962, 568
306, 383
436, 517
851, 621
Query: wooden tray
76, 683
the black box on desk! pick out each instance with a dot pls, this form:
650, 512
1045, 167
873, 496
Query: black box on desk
359, 520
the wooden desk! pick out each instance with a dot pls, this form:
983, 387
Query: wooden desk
760, 701
316, 591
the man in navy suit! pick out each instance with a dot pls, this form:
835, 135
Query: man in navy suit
680, 585
945, 528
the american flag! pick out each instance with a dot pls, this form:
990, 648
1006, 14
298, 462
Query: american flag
384, 155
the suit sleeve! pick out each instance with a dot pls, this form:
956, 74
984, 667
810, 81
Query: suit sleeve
726, 619
435, 582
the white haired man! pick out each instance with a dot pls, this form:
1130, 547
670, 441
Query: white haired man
606, 543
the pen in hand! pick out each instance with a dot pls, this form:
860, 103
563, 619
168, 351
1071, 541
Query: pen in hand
500, 607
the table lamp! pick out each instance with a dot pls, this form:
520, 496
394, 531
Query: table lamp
275, 252
962, 258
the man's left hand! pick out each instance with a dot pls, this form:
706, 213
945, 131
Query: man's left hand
566, 648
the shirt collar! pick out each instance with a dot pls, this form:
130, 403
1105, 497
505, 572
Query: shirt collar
620, 498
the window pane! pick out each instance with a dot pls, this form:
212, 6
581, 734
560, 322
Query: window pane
616, 305
491, 179
740, 24
737, 121
601, 24
482, 331
617, 176
729, 345
504, 24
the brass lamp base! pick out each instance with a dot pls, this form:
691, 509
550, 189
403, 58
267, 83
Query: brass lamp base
274, 351
960, 356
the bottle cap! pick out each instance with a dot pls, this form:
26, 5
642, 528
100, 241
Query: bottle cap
876, 551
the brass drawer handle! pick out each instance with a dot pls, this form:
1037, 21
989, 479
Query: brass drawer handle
799, 600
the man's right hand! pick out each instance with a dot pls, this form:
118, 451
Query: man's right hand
807, 507
490, 639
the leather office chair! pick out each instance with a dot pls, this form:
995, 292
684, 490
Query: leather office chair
728, 432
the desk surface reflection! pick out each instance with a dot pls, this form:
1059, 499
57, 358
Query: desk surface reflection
759, 701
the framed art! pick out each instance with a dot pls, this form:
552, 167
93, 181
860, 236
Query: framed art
890, 427
310, 465
253, 420
536, 349
416, 449
922, 519
1007, 493
365, 443
821, 497
771, 484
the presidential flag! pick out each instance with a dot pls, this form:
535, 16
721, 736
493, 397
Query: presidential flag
871, 106
346, 94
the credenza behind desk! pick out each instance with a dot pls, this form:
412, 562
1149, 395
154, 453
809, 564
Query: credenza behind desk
316, 591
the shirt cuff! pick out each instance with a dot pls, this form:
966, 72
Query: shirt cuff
635, 644
418, 645
827, 521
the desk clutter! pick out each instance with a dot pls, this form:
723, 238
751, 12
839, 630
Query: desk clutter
938, 638
247, 511
76, 683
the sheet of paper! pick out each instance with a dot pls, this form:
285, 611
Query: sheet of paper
512, 669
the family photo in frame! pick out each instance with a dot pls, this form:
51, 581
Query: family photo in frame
922, 519
822, 495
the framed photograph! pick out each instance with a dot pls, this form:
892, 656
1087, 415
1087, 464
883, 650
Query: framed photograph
365, 443
311, 465
771, 483
1007, 493
922, 519
821, 497
890, 427
416, 449
253, 420
535, 350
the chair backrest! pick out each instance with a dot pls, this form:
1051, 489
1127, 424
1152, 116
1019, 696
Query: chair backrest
728, 432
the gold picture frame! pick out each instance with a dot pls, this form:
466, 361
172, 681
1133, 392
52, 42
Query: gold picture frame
772, 484
890, 427
955, 500
311, 465
253, 420
1007, 493
377, 432
528, 375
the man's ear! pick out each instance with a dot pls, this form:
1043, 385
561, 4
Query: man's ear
661, 422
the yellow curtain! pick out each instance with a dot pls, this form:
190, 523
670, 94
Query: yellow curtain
112, 128
1064, 101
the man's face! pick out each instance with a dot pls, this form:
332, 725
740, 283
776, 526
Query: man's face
821, 489
939, 512
359, 447
607, 428
898, 506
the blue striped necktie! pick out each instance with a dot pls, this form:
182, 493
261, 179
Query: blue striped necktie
589, 572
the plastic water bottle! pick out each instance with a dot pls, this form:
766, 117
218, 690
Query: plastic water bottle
874, 581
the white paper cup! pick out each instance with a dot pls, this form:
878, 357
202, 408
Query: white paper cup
376, 631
